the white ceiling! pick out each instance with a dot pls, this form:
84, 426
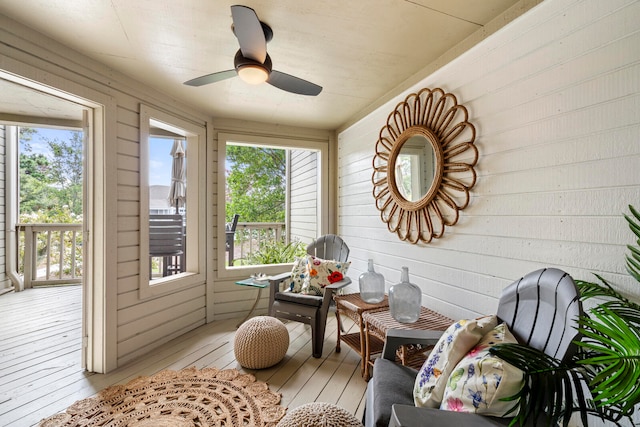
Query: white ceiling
357, 50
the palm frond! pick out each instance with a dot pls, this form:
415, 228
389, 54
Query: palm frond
614, 301
552, 390
633, 259
633, 263
634, 223
611, 347
547, 385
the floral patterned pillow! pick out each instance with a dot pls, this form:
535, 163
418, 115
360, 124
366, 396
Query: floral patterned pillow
452, 346
321, 273
480, 380
298, 273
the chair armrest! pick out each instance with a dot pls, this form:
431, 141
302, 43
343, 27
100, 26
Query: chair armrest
339, 285
329, 290
410, 416
279, 277
397, 337
274, 287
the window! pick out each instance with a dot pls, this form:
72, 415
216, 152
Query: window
172, 165
278, 187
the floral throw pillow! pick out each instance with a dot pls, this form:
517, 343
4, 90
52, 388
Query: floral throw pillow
298, 273
481, 380
321, 273
452, 346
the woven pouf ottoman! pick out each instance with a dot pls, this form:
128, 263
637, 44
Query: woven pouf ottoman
261, 342
319, 414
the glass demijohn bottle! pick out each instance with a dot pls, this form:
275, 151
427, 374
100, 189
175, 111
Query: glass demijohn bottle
371, 285
405, 299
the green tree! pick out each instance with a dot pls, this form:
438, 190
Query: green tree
256, 183
66, 171
53, 182
35, 190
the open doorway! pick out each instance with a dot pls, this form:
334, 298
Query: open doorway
47, 142
50, 205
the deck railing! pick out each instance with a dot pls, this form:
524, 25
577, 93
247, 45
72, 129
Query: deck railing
250, 235
50, 254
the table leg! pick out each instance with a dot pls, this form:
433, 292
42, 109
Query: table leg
366, 356
255, 304
339, 327
363, 351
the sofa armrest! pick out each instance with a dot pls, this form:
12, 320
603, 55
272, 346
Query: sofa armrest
397, 337
410, 416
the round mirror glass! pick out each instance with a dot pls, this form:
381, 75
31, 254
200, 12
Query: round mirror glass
415, 168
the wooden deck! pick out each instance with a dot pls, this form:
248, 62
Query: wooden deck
40, 371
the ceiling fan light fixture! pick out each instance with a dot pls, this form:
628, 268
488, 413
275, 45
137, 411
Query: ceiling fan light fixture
253, 74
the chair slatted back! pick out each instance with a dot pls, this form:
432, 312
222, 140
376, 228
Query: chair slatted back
166, 235
330, 247
541, 310
231, 226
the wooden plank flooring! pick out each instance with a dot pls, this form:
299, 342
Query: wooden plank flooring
40, 372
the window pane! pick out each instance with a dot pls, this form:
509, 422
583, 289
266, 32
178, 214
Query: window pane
167, 205
274, 192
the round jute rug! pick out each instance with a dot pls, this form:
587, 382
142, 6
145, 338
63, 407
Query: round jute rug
187, 398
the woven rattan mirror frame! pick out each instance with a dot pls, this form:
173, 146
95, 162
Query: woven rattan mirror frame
443, 123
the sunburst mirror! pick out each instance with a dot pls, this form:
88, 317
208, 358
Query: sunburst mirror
423, 166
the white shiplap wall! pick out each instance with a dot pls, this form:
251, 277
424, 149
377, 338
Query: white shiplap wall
304, 196
555, 98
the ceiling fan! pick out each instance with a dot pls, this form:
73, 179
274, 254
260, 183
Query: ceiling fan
252, 62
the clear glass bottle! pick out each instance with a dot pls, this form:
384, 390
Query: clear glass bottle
405, 299
371, 285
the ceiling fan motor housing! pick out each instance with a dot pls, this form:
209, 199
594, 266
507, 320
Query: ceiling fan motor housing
240, 61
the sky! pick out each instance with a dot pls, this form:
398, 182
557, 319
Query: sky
159, 153
160, 161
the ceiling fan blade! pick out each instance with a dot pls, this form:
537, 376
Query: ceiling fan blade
249, 32
211, 78
293, 84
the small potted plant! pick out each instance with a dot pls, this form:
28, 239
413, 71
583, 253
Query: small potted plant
603, 378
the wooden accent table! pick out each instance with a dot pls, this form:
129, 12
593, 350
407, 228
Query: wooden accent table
352, 306
377, 323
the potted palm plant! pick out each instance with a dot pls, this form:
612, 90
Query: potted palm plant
603, 377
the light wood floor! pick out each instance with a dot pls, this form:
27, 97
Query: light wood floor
40, 371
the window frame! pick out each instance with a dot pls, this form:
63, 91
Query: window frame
195, 241
320, 146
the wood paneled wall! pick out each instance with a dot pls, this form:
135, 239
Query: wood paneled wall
304, 196
555, 97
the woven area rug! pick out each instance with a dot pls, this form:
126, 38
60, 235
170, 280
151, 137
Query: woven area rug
189, 397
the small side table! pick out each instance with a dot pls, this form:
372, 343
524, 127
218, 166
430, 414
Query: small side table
377, 323
352, 306
252, 283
